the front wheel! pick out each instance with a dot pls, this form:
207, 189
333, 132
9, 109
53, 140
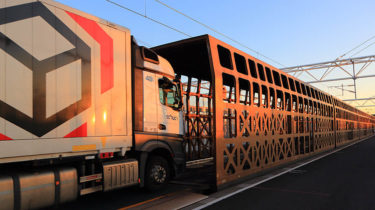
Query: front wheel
157, 173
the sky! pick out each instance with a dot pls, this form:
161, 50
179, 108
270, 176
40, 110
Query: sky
291, 32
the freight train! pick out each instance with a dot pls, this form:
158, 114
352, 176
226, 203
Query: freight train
84, 108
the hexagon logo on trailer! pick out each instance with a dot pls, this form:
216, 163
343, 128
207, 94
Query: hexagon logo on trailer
39, 124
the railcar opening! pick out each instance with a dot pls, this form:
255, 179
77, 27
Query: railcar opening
191, 61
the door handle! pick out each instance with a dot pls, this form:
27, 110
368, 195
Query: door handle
162, 127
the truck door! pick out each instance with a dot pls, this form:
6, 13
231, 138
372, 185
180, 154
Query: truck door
170, 116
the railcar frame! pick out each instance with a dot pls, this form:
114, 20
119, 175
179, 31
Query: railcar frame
251, 116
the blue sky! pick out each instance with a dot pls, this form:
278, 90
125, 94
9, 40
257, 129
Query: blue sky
292, 32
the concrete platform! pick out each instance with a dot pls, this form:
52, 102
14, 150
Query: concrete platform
176, 200
343, 179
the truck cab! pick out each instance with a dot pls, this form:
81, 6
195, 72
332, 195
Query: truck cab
158, 117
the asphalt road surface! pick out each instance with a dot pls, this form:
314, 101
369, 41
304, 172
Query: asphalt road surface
119, 199
343, 180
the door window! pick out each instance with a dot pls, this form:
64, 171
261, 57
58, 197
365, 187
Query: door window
169, 93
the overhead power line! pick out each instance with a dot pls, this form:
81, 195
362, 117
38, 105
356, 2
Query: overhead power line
144, 43
181, 32
356, 47
362, 49
149, 18
218, 32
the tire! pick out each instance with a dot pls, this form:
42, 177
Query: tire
157, 173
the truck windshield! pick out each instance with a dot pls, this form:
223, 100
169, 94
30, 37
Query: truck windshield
169, 93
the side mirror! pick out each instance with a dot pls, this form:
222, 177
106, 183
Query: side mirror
177, 80
178, 103
166, 83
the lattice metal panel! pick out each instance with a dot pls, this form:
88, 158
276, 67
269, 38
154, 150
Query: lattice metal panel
262, 121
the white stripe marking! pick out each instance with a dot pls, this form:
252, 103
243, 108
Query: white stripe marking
272, 177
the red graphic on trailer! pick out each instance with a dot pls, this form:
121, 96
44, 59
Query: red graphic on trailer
106, 49
106, 61
81, 131
4, 137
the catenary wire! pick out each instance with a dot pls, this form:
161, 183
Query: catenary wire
362, 49
218, 32
143, 15
356, 47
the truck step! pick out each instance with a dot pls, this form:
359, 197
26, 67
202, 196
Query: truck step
91, 190
90, 178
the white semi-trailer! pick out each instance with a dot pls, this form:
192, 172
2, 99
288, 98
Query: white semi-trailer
83, 108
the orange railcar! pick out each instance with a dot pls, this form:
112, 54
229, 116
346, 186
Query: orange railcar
251, 116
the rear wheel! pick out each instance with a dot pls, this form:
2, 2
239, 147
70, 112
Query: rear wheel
157, 173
